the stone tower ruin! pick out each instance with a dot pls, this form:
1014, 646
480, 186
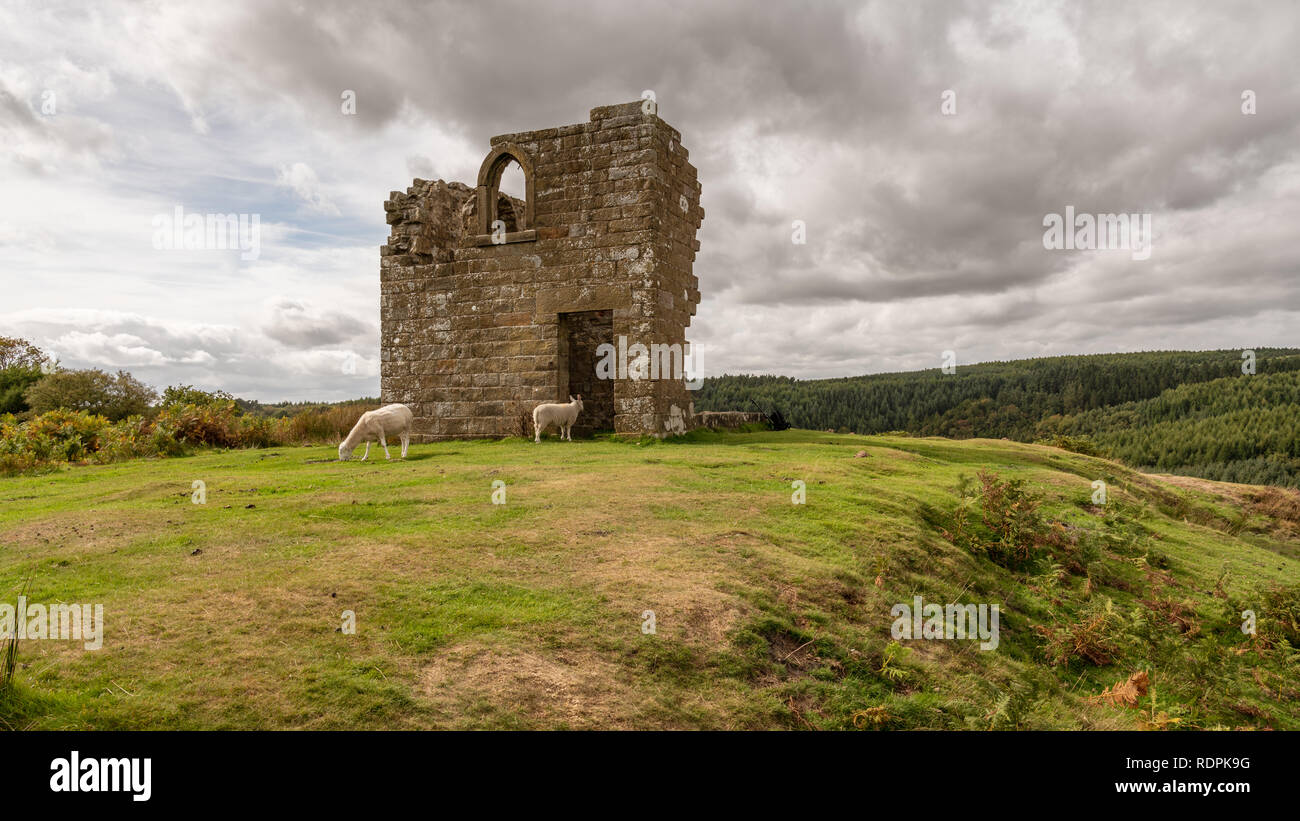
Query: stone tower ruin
491, 304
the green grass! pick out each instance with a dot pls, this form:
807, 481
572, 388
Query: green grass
529, 614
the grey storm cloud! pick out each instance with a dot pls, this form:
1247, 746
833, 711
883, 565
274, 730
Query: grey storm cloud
17, 112
21, 128
294, 325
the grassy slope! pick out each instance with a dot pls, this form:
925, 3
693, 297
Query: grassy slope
529, 614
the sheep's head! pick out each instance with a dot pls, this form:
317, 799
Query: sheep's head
345, 452
577, 401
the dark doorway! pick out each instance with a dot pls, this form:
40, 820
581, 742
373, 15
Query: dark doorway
581, 333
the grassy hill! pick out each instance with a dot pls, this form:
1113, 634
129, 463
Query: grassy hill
767, 614
1191, 412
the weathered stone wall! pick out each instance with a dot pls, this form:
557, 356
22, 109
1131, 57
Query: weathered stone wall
727, 419
471, 328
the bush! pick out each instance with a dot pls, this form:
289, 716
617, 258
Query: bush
1277, 610
14, 382
128, 439
1074, 444
216, 424
258, 432
93, 391
1000, 520
1094, 638
326, 426
179, 395
60, 435
77, 436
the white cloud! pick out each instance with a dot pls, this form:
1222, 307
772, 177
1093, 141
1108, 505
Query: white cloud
302, 180
228, 357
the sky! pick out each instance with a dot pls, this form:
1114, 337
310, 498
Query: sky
916, 148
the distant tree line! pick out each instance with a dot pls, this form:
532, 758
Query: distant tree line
1176, 411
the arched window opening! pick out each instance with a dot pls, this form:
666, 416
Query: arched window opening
512, 180
510, 196
505, 197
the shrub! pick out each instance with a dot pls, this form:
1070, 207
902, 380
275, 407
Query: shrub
93, 391
65, 435
1277, 610
323, 426
215, 424
1000, 520
14, 382
127, 439
60, 436
12, 464
1281, 613
258, 432
1094, 638
175, 395
1075, 444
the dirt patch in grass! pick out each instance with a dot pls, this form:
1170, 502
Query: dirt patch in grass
711, 622
790, 650
87, 533
671, 577
557, 688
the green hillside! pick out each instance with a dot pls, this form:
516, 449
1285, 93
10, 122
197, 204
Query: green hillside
766, 613
1237, 429
1210, 419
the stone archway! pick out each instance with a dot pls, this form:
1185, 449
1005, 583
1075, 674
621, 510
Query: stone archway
489, 186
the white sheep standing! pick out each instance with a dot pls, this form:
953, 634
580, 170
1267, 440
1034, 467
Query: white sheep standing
378, 425
562, 415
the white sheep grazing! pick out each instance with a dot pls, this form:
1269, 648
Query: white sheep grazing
554, 413
378, 425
